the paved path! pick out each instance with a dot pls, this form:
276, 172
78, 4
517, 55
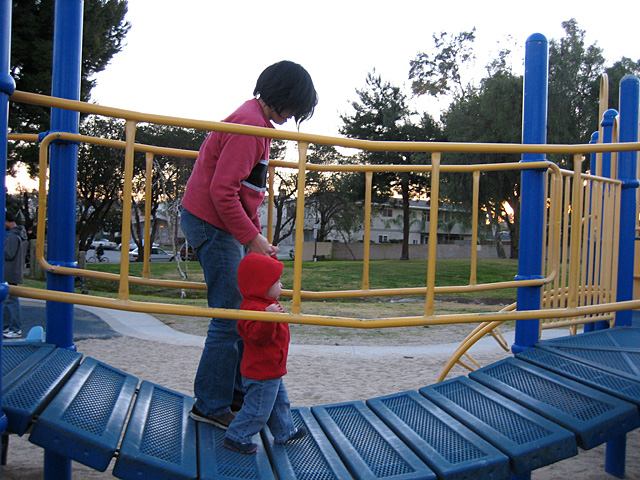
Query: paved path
103, 323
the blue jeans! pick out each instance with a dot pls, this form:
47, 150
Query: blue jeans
265, 403
12, 316
218, 375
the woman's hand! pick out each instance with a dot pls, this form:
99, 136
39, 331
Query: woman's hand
261, 245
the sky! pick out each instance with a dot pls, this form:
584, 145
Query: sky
201, 58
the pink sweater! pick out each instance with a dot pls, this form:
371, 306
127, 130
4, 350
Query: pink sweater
227, 184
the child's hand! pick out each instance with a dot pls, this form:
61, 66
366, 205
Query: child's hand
274, 308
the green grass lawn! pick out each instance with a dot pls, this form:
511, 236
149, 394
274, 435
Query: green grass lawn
325, 276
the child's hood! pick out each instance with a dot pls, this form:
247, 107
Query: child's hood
257, 273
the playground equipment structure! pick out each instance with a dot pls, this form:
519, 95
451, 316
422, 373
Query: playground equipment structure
578, 232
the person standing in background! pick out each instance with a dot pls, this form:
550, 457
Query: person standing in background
15, 249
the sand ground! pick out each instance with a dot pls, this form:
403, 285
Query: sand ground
322, 370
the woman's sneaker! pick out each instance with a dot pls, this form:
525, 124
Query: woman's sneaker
221, 421
244, 448
12, 334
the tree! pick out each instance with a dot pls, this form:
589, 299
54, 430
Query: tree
104, 31
440, 73
284, 202
324, 190
575, 70
100, 178
489, 114
492, 112
169, 176
382, 113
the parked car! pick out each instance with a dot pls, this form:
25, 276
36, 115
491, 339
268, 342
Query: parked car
106, 244
286, 254
187, 253
157, 255
133, 245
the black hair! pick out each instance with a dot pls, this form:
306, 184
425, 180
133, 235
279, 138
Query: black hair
8, 216
287, 86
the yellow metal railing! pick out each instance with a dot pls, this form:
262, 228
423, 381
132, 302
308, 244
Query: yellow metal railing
564, 300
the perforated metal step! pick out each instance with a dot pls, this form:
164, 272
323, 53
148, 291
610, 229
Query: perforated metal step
310, 458
592, 415
34, 376
160, 440
528, 439
220, 463
621, 338
452, 450
366, 445
85, 420
604, 380
623, 363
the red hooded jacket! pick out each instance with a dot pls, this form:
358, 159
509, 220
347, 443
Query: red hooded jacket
266, 344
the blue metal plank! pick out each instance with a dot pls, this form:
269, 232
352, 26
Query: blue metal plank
19, 358
452, 450
623, 363
85, 420
220, 463
592, 415
620, 337
529, 440
617, 385
160, 440
310, 458
366, 445
32, 392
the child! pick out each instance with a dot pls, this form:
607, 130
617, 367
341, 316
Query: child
264, 363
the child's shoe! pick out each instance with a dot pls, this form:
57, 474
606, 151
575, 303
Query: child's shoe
300, 433
244, 448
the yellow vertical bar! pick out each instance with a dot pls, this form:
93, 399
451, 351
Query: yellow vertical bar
616, 238
597, 232
368, 176
473, 278
433, 233
147, 243
130, 129
296, 304
566, 234
575, 242
547, 236
586, 250
607, 243
270, 203
555, 223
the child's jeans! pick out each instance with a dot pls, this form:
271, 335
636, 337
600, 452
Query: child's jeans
265, 403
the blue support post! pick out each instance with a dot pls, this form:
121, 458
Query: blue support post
627, 173
67, 62
7, 87
532, 198
604, 170
66, 74
608, 121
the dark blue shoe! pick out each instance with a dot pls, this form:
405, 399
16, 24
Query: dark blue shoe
244, 448
300, 433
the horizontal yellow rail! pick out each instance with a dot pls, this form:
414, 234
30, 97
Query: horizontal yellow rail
370, 145
187, 310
